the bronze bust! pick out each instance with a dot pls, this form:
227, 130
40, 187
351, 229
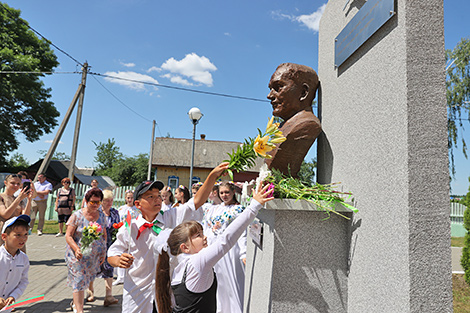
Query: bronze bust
292, 90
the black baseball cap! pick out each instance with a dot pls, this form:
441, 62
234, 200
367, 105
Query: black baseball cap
146, 186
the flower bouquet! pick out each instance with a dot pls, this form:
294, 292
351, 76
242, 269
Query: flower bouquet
90, 233
245, 155
324, 197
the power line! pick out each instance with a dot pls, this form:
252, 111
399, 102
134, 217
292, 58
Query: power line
179, 88
39, 34
36, 72
119, 100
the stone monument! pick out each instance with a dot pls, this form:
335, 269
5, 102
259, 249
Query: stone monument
383, 114
292, 91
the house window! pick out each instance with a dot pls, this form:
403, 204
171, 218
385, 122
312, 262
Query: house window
173, 182
195, 180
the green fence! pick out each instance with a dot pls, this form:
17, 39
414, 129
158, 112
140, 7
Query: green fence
51, 214
456, 220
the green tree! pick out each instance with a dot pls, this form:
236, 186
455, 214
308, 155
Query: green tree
130, 171
458, 94
24, 101
107, 156
61, 156
17, 160
307, 171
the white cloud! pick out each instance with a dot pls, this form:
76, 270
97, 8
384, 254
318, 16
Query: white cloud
154, 69
196, 68
50, 141
228, 34
312, 21
127, 64
132, 79
176, 79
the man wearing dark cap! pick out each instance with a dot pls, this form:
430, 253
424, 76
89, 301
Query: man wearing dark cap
134, 248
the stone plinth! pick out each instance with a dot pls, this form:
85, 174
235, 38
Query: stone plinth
302, 265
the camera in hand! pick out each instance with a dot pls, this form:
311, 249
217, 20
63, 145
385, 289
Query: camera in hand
27, 185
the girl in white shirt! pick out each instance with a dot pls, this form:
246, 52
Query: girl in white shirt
193, 281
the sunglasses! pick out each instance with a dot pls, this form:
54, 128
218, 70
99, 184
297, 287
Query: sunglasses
94, 202
14, 176
67, 182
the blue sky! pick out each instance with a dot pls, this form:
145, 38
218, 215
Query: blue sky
214, 46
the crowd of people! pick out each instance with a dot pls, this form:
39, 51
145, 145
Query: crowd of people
171, 252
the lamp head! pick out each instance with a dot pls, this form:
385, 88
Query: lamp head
195, 115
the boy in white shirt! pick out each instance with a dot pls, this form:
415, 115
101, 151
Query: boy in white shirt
13, 262
137, 251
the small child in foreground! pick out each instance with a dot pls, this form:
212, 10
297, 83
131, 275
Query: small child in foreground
14, 263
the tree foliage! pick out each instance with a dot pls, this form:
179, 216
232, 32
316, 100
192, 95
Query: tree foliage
24, 101
17, 160
123, 170
307, 171
61, 156
107, 155
458, 94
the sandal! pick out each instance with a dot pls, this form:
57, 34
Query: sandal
110, 300
72, 306
90, 297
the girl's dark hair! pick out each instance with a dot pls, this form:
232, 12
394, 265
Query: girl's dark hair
181, 234
94, 192
185, 192
231, 186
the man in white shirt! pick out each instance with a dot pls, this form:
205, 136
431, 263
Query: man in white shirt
43, 188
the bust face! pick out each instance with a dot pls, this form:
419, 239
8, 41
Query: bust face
285, 94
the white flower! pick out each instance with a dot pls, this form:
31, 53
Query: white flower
264, 172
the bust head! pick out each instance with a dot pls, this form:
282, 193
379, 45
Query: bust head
292, 89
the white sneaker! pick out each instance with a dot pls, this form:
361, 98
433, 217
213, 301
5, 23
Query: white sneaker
39, 233
59, 235
118, 282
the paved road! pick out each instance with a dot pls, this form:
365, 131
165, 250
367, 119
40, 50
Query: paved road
48, 276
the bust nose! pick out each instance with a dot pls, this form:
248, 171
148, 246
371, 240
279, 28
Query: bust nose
270, 95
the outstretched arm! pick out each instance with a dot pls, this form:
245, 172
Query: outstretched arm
205, 190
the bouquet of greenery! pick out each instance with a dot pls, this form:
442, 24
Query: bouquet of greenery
90, 233
245, 155
325, 197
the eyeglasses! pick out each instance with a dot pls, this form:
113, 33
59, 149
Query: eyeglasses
94, 202
67, 182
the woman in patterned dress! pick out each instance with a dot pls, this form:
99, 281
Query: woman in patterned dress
83, 268
106, 272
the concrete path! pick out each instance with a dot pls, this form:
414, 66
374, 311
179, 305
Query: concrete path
48, 276
456, 255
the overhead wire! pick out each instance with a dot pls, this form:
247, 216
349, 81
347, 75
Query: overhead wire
39, 34
179, 88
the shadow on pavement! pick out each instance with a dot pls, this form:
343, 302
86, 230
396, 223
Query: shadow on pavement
53, 262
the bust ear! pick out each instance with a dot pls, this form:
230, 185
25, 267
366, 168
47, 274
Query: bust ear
304, 92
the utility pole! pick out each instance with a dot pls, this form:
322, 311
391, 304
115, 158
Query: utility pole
47, 159
151, 151
78, 122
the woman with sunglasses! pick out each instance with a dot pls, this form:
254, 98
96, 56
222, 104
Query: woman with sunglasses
64, 204
83, 268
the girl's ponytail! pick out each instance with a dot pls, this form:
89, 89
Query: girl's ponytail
162, 284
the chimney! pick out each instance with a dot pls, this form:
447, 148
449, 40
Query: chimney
203, 136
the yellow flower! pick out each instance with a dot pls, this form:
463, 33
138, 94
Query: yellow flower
278, 139
262, 146
271, 127
90, 231
278, 134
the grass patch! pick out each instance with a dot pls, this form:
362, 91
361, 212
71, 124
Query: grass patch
50, 227
461, 293
457, 242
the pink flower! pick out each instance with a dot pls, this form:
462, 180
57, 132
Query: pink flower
271, 188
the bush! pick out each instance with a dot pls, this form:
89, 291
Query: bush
465, 260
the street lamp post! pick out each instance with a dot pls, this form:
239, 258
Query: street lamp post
194, 115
